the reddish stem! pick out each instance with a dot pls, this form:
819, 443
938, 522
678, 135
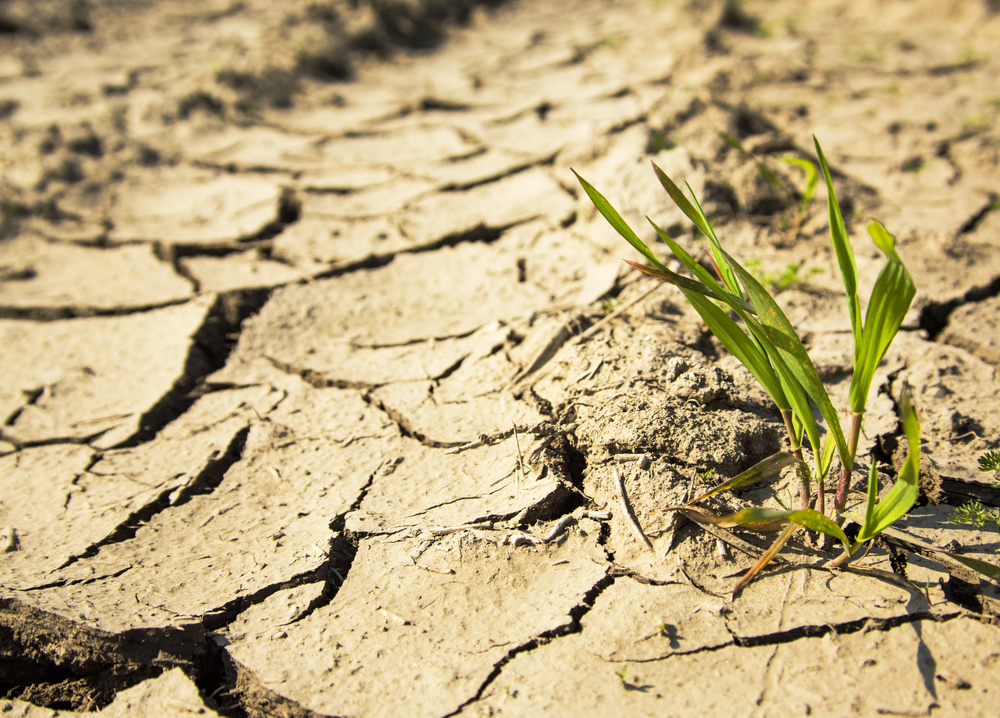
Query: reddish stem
848, 462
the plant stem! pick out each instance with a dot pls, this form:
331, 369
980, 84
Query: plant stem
820, 493
847, 462
793, 440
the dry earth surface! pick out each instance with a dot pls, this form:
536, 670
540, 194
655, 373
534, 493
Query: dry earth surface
316, 360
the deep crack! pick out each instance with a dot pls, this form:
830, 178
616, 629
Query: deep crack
573, 626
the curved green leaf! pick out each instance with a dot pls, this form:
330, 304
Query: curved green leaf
756, 473
845, 253
616, 221
811, 178
782, 337
809, 518
891, 297
904, 492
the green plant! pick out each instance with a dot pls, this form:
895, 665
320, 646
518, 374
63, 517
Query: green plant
975, 123
772, 351
809, 170
976, 514
779, 281
990, 461
661, 625
914, 164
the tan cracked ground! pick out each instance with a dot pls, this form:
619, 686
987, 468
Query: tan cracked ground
311, 393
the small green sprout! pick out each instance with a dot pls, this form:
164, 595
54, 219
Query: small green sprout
661, 626
780, 281
976, 514
745, 318
975, 123
608, 303
809, 169
612, 42
768, 346
990, 461
623, 674
658, 142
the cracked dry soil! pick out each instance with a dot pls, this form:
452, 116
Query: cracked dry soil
311, 396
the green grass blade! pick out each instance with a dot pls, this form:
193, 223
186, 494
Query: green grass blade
844, 252
696, 215
678, 280
738, 303
811, 178
809, 518
740, 345
797, 398
891, 297
722, 260
782, 337
904, 492
871, 501
826, 457
681, 201
755, 474
616, 221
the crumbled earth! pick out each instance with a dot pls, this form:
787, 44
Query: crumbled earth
321, 375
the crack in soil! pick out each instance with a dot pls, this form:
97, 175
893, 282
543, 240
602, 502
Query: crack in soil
934, 316
547, 161
211, 346
207, 480
48, 657
54, 314
574, 626
318, 380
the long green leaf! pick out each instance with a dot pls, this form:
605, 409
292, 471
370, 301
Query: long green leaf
722, 260
678, 280
891, 297
826, 458
904, 491
616, 221
699, 271
809, 518
845, 254
811, 178
696, 215
741, 346
871, 501
797, 397
756, 473
787, 344
681, 201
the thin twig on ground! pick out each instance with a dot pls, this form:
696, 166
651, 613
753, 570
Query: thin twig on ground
628, 513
